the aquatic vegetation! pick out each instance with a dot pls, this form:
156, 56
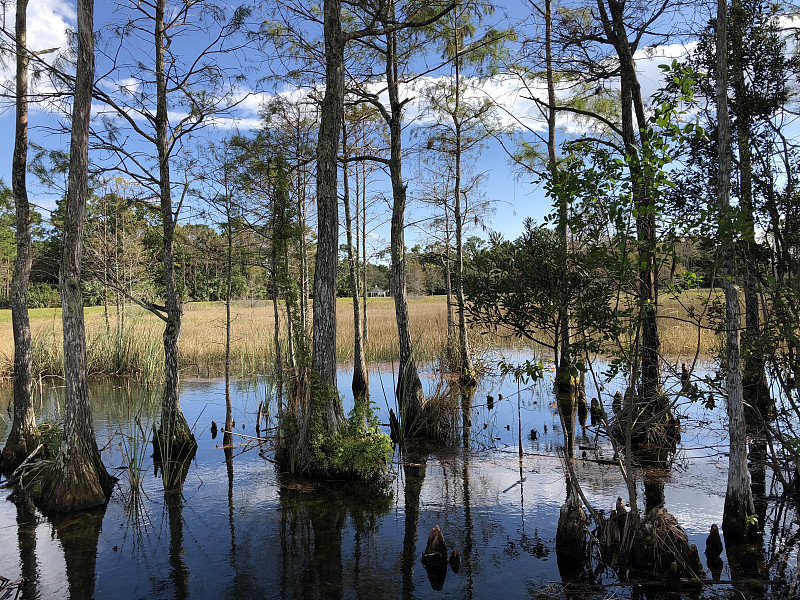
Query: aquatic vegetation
359, 451
136, 437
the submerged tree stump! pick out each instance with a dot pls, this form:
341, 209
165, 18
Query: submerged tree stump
658, 543
435, 554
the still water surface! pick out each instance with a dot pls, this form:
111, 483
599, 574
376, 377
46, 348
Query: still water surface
254, 534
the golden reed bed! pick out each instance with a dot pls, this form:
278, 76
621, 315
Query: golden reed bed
138, 350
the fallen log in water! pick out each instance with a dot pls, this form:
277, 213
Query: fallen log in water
251, 437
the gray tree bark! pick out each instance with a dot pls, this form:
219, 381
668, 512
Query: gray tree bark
227, 437
78, 480
275, 254
359, 385
364, 288
464, 357
738, 497
754, 380
23, 436
174, 434
634, 119
409, 392
323, 352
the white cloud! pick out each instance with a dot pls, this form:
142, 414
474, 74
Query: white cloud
48, 23
48, 26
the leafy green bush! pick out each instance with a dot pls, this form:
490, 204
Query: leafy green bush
43, 295
359, 451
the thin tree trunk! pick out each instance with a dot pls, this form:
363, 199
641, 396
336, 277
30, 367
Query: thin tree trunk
570, 534
464, 358
174, 434
409, 387
633, 118
738, 498
106, 253
323, 353
359, 385
290, 329
301, 212
448, 284
78, 479
566, 384
754, 379
447, 263
278, 363
23, 436
364, 251
227, 437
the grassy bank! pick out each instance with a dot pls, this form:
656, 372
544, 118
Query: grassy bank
138, 351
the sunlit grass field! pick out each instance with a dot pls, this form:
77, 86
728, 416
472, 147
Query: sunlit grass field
137, 350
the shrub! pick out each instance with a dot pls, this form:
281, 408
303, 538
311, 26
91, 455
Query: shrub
359, 451
43, 295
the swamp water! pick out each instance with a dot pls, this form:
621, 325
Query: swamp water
239, 530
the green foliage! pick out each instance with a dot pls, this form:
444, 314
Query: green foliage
43, 295
359, 451
522, 287
523, 373
50, 435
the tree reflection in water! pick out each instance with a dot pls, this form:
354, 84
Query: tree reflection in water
175, 476
312, 522
27, 520
78, 534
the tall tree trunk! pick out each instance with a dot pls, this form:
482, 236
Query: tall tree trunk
464, 358
175, 437
23, 436
106, 252
290, 326
570, 534
754, 380
323, 352
565, 383
409, 392
278, 363
359, 385
227, 437
78, 479
447, 263
301, 214
365, 289
634, 118
738, 498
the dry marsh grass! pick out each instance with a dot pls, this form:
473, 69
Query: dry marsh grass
138, 351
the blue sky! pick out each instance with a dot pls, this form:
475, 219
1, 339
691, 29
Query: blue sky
514, 198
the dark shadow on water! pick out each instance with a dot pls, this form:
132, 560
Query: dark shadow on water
311, 535
748, 570
27, 520
414, 460
467, 398
175, 473
78, 535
